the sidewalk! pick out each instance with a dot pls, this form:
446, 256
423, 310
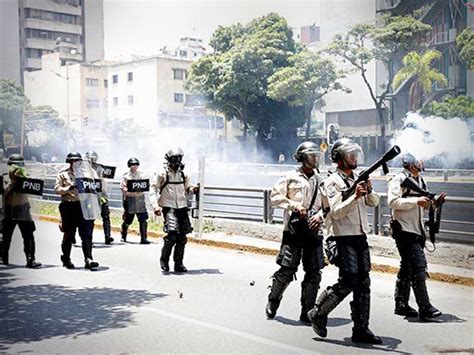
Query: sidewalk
443, 273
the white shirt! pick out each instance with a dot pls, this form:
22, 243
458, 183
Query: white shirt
405, 210
295, 190
173, 195
347, 217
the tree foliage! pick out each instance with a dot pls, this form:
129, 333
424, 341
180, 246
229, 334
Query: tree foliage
247, 60
465, 46
460, 106
385, 41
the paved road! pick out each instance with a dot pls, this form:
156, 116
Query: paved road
128, 306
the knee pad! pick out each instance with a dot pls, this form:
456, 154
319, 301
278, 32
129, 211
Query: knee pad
348, 282
419, 275
285, 275
289, 256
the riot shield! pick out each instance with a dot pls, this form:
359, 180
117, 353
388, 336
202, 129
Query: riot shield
25, 199
88, 185
137, 195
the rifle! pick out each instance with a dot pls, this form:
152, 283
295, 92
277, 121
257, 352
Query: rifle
434, 214
364, 176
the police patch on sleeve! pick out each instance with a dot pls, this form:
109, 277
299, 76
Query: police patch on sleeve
331, 191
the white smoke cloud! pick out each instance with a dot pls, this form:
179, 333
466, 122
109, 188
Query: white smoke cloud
445, 141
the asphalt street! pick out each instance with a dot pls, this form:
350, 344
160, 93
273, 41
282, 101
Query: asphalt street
129, 306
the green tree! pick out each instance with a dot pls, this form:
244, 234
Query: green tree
12, 104
465, 46
419, 67
385, 41
234, 79
304, 82
44, 124
459, 106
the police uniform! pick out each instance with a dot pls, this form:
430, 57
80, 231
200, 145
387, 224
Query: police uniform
348, 226
27, 227
104, 204
409, 235
297, 189
128, 215
168, 191
72, 218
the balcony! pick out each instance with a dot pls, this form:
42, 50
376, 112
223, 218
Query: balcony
442, 38
40, 24
48, 44
51, 6
33, 63
387, 5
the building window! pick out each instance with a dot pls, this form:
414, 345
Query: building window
115, 79
115, 101
52, 16
130, 100
92, 82
183, 53
130, 76
52, 35
106, 83
178, 97
92, 103
179, 74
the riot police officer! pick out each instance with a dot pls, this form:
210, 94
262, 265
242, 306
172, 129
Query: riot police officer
134, 203
408, 232
348, 226
13, 204
298, 194
72, 214
168, 197
92, 156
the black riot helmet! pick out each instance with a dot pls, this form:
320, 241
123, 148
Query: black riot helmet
409, 161
73, 156
16, 159
133, 161
342, 147
304, 149
92, 156
174, 157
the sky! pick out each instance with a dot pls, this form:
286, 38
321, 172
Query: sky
142, 27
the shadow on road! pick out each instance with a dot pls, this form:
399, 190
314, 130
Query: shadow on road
293, 322
195, 272
444, 318
16, 266
35, 312
389, 344
337, 322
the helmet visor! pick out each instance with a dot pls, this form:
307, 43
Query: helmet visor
352, 151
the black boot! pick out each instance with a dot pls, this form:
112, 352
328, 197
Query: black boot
31, 263
178, 254
67, 262
426, 311
309, 293
124, 231
279, 285
106, 224
402, 296
143, 232
66, 247
91, 264
360, 314
327, 301
4, 247
166, 253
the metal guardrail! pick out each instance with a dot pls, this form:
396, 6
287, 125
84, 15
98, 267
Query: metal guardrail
253, 204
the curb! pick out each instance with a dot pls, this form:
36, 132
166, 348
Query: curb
387, 269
